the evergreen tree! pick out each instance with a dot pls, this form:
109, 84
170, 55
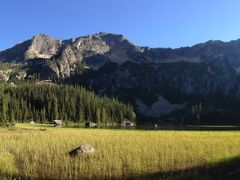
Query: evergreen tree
43, 103
3, 109
55, 108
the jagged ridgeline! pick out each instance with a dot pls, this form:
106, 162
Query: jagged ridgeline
45, 103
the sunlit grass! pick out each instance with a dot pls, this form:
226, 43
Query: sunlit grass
41, 151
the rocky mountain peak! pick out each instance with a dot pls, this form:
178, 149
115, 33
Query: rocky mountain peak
115, 48
42, 36
111, 38
42, 46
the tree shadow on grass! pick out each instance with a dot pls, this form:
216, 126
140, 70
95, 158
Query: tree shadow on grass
228, 169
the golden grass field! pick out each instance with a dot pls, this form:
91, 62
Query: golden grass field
40, 152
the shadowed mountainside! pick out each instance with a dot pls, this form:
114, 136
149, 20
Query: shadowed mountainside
161, 83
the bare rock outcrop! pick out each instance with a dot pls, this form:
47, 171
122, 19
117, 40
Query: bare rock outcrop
21, 75
4, 75
42, 46
89, 46
85, 149
68, 59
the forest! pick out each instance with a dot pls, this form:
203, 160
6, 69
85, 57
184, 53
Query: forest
43, 103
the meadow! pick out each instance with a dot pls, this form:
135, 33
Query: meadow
40, 152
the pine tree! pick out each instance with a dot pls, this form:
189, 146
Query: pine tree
98, 116
3, 110
55, 108
45, 103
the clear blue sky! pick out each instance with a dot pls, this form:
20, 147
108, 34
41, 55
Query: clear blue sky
155, 23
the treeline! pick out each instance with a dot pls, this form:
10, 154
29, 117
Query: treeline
45, 103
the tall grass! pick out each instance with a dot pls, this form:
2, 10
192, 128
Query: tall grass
38, 153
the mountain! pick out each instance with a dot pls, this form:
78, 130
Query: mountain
162, 83
114, 48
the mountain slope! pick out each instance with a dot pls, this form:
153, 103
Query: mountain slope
109, 64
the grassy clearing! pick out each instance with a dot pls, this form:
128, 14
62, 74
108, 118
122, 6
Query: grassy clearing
40, 152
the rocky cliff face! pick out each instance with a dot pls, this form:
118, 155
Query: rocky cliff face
42, 46
118, 49
114, 66
115, 48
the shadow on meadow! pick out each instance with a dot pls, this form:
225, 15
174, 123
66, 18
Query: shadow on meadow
224, 170
228, 169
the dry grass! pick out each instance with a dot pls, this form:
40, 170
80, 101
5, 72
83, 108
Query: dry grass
41, 153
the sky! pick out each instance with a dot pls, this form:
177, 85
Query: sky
154, 23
